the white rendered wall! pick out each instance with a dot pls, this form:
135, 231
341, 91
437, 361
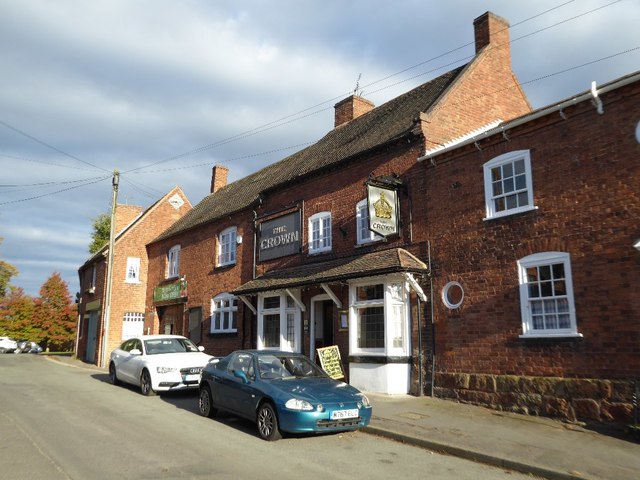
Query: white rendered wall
390, 378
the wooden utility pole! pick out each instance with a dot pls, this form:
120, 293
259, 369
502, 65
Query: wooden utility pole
106, 311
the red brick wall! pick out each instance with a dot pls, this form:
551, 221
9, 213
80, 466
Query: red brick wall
488, 91
586, 183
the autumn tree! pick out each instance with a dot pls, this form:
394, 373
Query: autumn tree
6, 272
16, 314
101, 230
54, 316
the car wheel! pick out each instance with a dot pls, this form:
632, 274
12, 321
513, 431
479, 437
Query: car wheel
205, 403
2, 350
145, 384
267, 423
113, 377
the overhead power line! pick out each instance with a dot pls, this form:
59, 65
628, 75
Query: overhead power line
315, 109
37, 140
101, 179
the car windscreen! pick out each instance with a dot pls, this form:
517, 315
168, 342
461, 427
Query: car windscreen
157, 346
287, 366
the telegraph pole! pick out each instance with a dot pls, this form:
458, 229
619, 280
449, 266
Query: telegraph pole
106, 312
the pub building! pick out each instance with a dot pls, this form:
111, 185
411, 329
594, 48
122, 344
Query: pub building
322, 248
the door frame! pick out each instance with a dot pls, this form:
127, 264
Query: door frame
312, 327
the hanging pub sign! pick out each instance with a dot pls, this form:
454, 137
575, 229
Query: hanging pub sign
383, 209
280, 237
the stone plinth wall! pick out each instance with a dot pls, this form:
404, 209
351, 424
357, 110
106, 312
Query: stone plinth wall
570, 399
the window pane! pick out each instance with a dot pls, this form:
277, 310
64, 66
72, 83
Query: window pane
545, 272
370, 292
271, 331
534, 291
216, 321
521, 182
497, 188
512, 201
523, 199
564, 321
508, 185
545, 289
271, 302
558, 271
518, 167
495, 174
371, 327
507, 170
499, 204
234, 324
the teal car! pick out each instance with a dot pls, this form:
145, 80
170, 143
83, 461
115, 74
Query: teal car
280, 392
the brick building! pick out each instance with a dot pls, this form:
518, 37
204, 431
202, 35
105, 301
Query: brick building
533, 229
284, 258
134, 227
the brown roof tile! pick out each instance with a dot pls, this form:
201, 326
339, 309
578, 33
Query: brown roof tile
367, 265
386, 123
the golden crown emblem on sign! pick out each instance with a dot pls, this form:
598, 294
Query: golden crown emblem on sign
382, 207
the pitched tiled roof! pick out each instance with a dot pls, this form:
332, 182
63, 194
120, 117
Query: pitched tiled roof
386, 123
367, 265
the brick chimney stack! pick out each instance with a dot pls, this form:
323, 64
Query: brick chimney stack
490, 29
350, 108
219, 175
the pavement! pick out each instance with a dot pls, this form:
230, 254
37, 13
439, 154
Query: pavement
539, 446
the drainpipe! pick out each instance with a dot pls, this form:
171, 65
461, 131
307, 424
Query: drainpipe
433, 325
420, 355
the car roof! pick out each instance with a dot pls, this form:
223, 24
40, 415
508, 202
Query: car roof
152, 337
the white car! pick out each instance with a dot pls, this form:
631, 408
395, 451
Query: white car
158, 363
7, 345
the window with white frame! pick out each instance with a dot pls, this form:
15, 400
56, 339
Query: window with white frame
362, 224
132, 325
224, 313
379, 312
320, 232
508, 186
546, 295
173, 262
278, 322
227, 247
133, 270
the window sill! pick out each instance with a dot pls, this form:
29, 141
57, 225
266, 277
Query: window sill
509, 213
226, 333
319, 252
550, 335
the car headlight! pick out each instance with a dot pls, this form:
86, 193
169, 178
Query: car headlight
364, 401
297, 404
166, 369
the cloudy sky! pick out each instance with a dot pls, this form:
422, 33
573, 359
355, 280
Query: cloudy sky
163, 90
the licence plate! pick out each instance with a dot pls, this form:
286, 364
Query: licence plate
191, 378
339, 414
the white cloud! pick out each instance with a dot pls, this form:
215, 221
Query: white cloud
123, 84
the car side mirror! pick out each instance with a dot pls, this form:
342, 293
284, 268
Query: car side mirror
135, 351
240, 374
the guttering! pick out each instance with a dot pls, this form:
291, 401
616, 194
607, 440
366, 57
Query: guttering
592, 94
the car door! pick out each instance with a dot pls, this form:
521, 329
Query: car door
128, 364
236, 395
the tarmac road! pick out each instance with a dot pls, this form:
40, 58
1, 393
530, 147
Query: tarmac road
67, 422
